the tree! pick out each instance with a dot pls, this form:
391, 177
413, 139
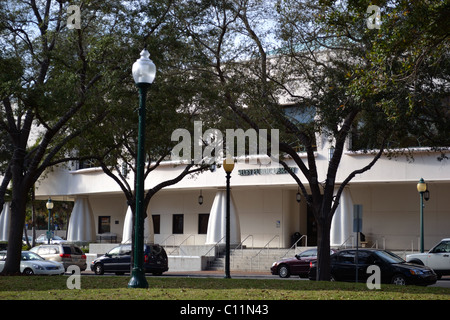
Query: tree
171, 104
321, 71
55, 76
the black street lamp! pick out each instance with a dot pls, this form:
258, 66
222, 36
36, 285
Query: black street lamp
144, 72
228, 166
49, 206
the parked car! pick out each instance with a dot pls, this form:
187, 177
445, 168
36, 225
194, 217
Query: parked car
298, 265
24, 240
67, 254
53, 240
31, 263
118, 260
393, 269
438, 258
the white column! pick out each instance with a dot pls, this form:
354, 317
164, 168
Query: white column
217, 223
5, 218
342, 223
128, 226
81, 223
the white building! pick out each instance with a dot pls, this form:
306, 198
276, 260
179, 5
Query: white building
265, 212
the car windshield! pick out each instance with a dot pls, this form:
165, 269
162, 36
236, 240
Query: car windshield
27, 256
389, 257
308, 253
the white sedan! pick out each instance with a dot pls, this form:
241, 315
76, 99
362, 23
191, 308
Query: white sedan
31, 264
437, 258
54, 240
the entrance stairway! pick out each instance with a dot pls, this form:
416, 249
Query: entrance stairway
253, 259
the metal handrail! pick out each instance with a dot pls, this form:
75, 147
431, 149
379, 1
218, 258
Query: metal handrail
295, 244
266, 245
215, 254
375, 244
165, 240
412, 247
345, 242
241, 245
214, 246
191, 235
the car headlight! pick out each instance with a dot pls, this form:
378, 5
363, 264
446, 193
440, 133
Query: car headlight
416, 272
274, 264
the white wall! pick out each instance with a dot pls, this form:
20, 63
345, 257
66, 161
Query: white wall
115, 207
392, 212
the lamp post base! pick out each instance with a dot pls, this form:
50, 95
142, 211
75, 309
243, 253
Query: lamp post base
138, 279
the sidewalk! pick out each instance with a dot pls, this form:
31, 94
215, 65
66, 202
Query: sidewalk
221, 274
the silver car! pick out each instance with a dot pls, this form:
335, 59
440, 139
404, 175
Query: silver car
67, 254
31, 264
54, 240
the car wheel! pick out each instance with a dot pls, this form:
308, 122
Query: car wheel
398, 279
28, 272
283, 271
419, 262
98, 269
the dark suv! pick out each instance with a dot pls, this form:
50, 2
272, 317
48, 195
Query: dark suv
118, 260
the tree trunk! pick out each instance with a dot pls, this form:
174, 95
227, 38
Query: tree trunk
18, 212
18, 206
323, 247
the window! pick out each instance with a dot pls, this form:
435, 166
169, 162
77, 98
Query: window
125, 250
104, 224
53, 250
177, 223
203, 223
444, 246
114, 252
346, 257
87, 164
156, 223
365, 257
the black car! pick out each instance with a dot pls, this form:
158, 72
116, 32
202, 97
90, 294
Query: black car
118, 260
393, 269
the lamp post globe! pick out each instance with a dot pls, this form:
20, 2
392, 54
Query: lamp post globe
421, 186
144, 72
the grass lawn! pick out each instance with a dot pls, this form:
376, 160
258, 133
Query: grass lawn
115, 288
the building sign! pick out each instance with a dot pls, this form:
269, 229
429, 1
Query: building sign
251, 172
